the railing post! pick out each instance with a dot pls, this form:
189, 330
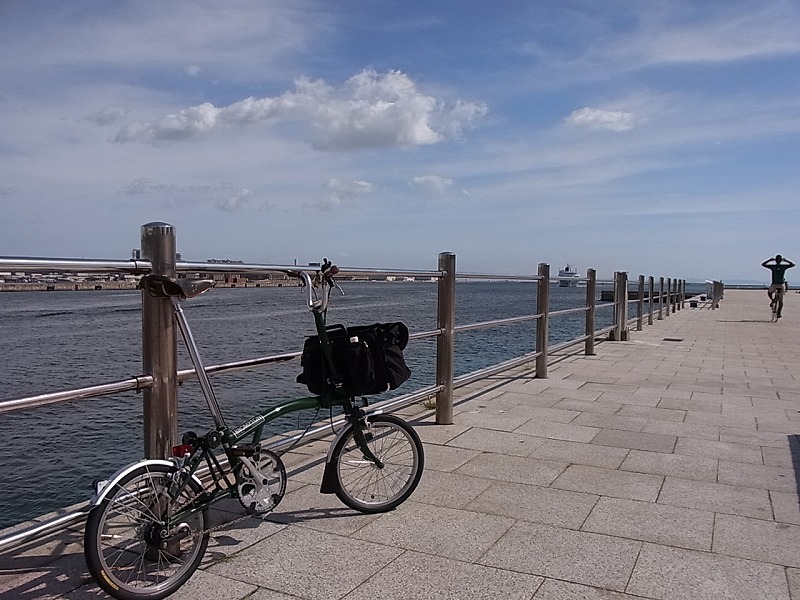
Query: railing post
159, 346
683, 293
660, 298
543, 324
623, 306
674, 296
591, 303
640, 305
650, 300
669, 296
445, 342
612, 335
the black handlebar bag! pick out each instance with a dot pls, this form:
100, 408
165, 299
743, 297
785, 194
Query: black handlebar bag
367, 359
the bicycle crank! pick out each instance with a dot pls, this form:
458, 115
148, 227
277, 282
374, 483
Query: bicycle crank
260, 480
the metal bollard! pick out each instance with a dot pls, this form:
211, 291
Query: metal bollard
543, 324
640, 305
159, 347
445, 342
591, 302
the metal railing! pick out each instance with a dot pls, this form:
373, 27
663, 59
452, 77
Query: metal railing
159, 343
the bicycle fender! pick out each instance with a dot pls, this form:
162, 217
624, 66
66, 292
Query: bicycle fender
104, 487
328, 484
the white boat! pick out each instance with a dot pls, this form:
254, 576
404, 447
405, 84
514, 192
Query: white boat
568, 277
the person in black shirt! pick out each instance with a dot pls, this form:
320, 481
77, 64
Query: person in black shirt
778, 266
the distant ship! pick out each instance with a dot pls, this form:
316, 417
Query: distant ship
568, 277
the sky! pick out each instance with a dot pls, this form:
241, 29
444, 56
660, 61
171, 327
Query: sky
657, 137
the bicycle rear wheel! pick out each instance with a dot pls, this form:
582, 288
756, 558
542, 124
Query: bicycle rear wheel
368, 488
129, 551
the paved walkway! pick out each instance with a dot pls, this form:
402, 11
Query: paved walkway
663, 467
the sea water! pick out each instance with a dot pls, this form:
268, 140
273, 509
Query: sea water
52, 341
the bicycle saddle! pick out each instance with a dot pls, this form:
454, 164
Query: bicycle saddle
162, 286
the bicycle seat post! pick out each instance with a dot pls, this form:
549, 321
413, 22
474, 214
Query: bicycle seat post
194, 355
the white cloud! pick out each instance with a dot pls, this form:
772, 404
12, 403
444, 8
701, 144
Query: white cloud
432, 184
597, 118
110, 115
369, 110
341, 191
235, 201
222, 196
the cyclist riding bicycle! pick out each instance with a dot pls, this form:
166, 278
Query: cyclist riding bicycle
778, 266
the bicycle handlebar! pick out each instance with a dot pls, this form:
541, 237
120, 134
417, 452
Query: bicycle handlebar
323, 279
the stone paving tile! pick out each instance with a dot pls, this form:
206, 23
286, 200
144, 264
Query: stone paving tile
209, 585
662, 393
676, 574
536, 504
649, 522
588, 406
757, 540
559, 431
650, 413
776, 426
576, 393
491, 418
515, 469
611, 422
755, 438
446, 458
688, 404
516, 444
28, 579
758, 476
304, 507
533, 398
719, 450
616, 397
552, 589
588, 558
652, 442
445, 532
579, 453
735, 500
416, 575
785, 507
430, 433
727, 420
282, 563
538, 413
777, 457
607, 482
263, 594
658, 463
793, 575
702, 432
452, 490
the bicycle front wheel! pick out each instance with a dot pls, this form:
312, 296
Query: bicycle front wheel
134, 548
366, 487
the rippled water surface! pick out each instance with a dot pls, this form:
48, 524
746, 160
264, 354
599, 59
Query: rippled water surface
52, 341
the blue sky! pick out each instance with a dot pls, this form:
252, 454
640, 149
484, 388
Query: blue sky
656, 137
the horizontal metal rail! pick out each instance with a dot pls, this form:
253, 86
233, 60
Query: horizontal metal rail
140, 267
496, 323
127, 385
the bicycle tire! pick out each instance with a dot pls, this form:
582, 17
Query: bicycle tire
122, 561
363, 486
